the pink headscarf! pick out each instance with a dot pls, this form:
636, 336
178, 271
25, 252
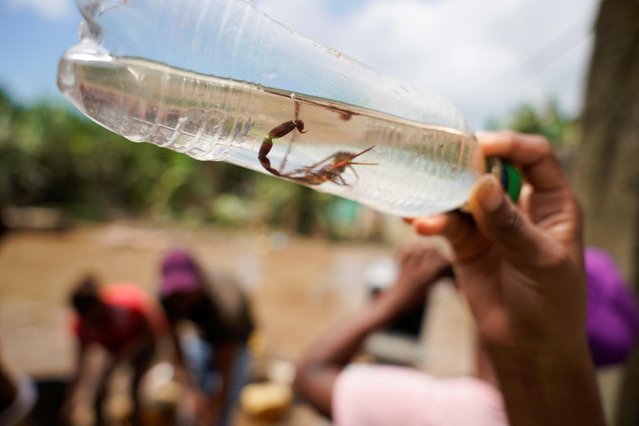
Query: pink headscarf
179, 273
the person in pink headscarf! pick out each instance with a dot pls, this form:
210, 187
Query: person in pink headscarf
353, 394
377, 394
215, 363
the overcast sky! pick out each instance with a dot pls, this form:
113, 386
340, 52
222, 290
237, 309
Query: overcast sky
485, 56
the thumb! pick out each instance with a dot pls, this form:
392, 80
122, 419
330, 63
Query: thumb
501, 222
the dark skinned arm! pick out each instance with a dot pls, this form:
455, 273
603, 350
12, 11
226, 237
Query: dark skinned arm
69, 399
319, 368
182, 373
224, 357
521, 270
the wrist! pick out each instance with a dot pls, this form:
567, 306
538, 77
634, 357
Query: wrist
537, 384
547, 364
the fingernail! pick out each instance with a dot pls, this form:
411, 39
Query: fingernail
484, 134
489, 194
420, 227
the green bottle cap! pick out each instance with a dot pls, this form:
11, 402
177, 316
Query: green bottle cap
511, 180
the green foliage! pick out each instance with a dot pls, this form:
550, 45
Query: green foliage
50, 156
549, 121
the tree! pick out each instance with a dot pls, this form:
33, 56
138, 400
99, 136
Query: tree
549, 121
606, 175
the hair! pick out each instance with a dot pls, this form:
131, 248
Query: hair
85, 295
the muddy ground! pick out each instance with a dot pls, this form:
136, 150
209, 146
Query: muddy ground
298, 288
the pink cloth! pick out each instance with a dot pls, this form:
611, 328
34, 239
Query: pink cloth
370, 395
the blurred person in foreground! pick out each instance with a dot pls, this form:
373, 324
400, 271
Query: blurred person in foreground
213, 362
124, 321
521, 269
17, 391
353, 394
372, 394
17, 397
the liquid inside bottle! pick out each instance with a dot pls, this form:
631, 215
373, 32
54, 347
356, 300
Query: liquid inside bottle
392, 165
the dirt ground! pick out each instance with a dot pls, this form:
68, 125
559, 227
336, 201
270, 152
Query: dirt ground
298, 288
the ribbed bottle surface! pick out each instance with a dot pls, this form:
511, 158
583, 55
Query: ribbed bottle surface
382, 153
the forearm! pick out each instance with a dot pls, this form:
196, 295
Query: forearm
318, 370
557, 389
80, 359
421, 265
183, 374
225, 357
338, 346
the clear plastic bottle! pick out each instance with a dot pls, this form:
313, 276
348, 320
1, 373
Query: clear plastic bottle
218, 80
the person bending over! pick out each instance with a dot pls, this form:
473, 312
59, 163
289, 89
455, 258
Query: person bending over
122, 320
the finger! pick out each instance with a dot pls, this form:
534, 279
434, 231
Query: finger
430, 225
532, 153
501, 222
520, 148
459, 229
524, 197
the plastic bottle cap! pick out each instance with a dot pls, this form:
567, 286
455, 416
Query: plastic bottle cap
511, 181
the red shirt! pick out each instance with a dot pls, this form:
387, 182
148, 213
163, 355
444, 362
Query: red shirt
130, 310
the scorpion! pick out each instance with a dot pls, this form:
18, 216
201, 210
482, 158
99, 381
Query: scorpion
330, 169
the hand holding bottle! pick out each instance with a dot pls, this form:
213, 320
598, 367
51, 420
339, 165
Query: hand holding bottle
509, 257
521, 269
